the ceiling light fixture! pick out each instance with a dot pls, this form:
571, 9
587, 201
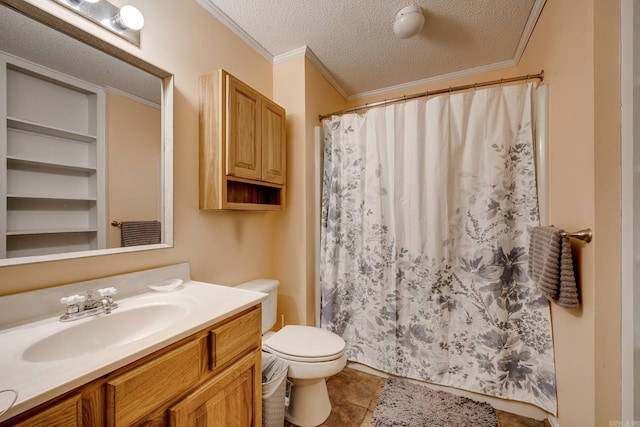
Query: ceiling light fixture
409, 21
125, 22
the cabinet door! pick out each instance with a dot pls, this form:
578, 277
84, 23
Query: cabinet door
230, 399
273, 142
244, 149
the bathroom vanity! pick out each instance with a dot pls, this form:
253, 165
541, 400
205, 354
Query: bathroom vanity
202, 364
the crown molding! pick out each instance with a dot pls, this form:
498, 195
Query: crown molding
235, 28
536, 10
436, 79
308, 53
288, 56
326, 73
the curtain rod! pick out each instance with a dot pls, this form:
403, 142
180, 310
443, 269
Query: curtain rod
450, 89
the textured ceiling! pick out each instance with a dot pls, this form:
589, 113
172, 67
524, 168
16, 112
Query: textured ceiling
353, 40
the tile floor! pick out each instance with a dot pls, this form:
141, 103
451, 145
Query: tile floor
354, 394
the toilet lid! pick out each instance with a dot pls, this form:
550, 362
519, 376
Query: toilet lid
305, 342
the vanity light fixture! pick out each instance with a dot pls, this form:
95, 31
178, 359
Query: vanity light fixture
84, 1
129, 17
409, 21
125, 22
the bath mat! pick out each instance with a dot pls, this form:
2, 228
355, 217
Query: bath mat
403, 403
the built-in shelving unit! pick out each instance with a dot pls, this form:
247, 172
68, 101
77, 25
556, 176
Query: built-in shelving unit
51, 162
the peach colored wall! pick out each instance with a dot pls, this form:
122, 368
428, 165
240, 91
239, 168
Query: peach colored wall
577, 43
292, 242
562, 44
607, 174
133, 163
222, 247
305, 93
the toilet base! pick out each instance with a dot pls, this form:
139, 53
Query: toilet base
309, 404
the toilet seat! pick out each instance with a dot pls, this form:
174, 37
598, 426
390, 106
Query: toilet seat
305, 344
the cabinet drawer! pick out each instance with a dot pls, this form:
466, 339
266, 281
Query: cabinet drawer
65, 413
141, 390
235, 337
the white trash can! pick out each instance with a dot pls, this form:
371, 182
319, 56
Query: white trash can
274, 388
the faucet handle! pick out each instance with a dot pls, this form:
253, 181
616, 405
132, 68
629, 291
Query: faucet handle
107, 291
73, 299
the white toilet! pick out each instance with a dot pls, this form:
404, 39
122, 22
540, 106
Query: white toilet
312, 354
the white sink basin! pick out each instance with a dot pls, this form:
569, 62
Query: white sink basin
100, 332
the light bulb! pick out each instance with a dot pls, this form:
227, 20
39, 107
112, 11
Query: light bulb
129, 17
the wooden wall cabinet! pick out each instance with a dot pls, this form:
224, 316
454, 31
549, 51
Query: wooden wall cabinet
242, 146
211, 378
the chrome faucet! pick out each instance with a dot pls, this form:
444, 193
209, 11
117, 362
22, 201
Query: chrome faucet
79, 306
91, 303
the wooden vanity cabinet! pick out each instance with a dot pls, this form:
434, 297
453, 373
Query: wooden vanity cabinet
242, 146
211, 378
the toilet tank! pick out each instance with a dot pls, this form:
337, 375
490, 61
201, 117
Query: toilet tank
270, 305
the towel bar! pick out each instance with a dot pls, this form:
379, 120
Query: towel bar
585, 235
115, 223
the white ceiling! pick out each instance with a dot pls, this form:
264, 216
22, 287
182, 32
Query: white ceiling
352, 41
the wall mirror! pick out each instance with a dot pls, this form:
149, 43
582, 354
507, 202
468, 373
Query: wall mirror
86, 143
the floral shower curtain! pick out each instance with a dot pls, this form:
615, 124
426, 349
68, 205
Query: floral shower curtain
427, 208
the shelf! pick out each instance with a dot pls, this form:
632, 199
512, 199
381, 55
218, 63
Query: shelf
49, 197
31, 162
253, 182
15, 123
46, 244
251, 196
50, 231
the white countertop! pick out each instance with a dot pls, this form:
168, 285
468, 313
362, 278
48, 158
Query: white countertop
37, 382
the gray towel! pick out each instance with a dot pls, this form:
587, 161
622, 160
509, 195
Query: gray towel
135, 233
551, 266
